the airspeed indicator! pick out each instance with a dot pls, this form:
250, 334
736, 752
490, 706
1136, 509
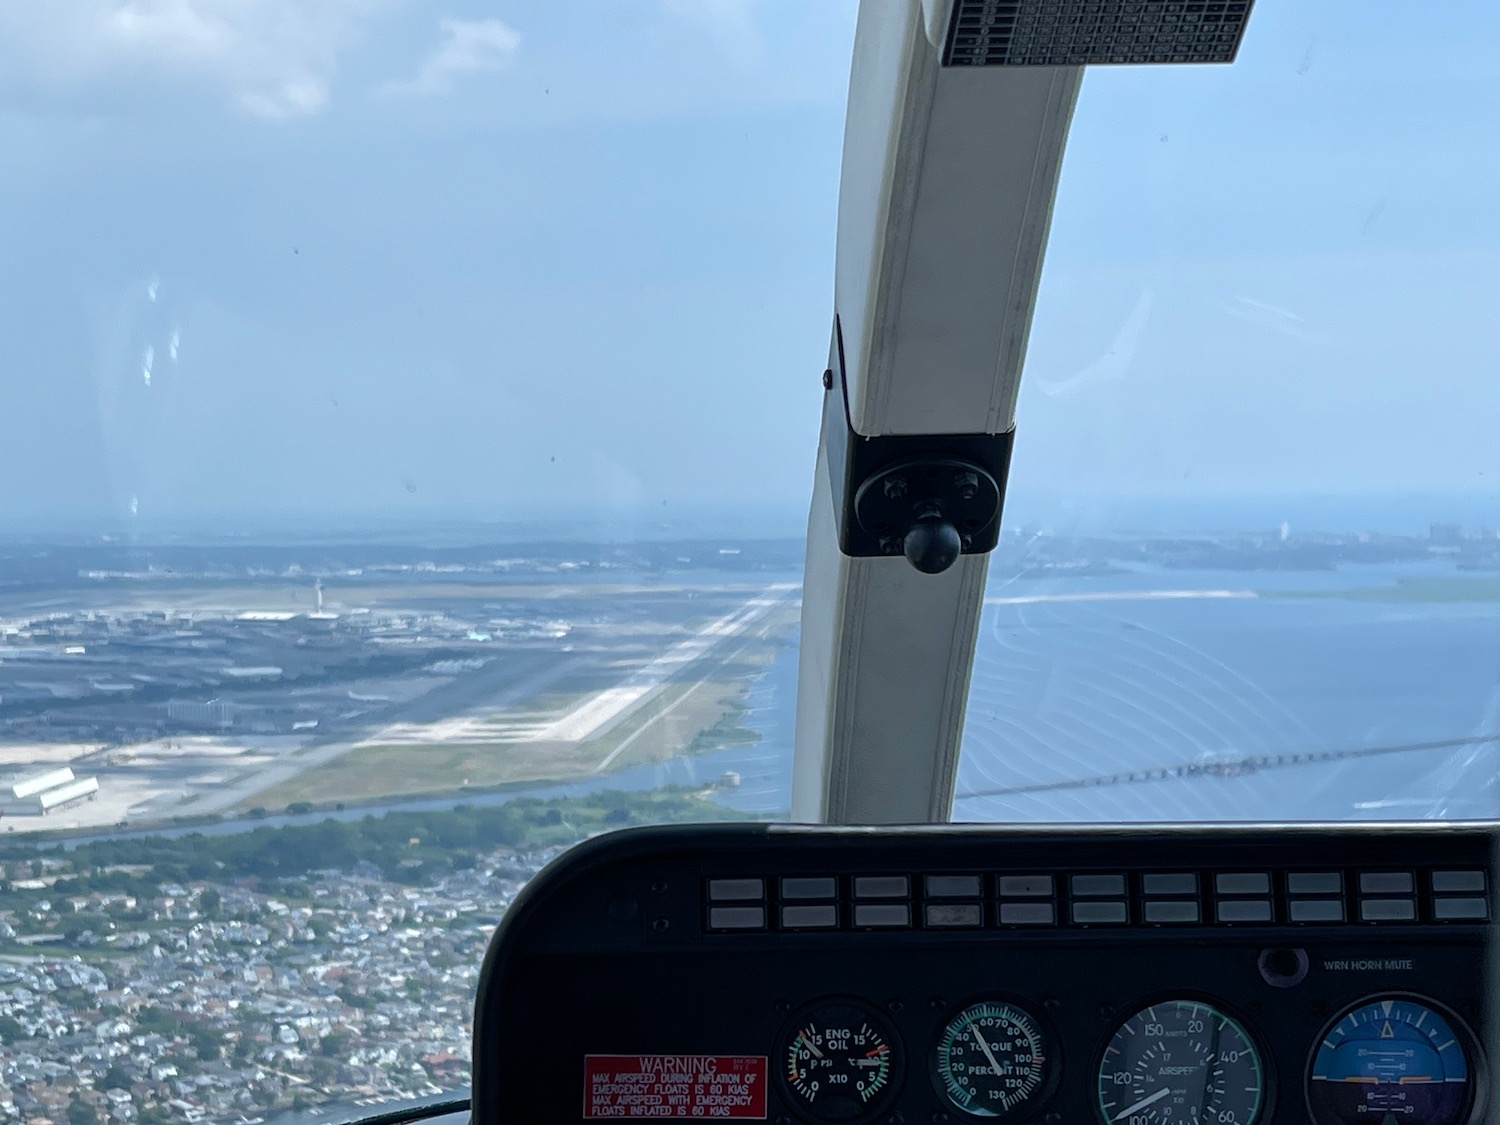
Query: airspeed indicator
1181, 1062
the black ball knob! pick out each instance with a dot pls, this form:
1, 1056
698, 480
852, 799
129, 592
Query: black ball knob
932, 545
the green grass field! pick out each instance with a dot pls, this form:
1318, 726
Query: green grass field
683, 718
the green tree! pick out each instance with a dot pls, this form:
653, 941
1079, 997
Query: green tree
81, 1113
209, 902
11, 1030
354, 999
207, 1042
72, 997
116, 1079
159, 1020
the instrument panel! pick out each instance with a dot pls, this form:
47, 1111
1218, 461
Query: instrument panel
1143, 976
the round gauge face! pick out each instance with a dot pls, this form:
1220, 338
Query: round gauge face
993, 1061
1181, 1061
1392, 1061
838, 1062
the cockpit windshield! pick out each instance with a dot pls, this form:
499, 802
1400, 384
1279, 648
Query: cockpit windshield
1251, 566
409, 421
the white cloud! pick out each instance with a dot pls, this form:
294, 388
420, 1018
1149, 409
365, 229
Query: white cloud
271, 58
733, 24
293, 99
468, 47
179, 28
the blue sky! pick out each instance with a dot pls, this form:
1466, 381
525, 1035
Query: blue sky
385, 257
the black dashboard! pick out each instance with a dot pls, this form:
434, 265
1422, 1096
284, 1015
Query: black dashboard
1150, 976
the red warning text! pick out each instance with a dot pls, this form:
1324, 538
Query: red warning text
707, 1086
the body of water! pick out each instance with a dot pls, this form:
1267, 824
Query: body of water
1070, 690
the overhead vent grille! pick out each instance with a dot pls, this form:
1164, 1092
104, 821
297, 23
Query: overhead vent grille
1094, 32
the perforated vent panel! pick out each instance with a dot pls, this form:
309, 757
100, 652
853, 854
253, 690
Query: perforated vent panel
1079, 32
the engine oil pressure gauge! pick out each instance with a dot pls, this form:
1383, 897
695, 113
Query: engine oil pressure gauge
838, 1061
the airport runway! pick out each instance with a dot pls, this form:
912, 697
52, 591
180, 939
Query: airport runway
288, 765
490, 693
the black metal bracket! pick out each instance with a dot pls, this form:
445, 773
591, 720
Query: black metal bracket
931, 497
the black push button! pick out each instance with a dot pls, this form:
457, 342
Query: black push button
1245, 910
954, 915
1173, 883
1098, 886
736, 890
1171, 910
1387, 910
1243, 883
1316, 910
1315, 883
1027, 914
882, 914
881, 886
1026, 886
1385, 882
737, 917
814, 887
954, 886
1446, 882
824, 916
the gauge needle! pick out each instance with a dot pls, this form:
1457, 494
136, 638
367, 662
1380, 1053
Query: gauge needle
985, 1047
1143, 1103
808, 1043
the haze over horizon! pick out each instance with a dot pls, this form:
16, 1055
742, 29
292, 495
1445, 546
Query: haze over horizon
275, 263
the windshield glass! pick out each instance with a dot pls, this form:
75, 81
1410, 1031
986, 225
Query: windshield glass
1251, 567
409, 419
410, 422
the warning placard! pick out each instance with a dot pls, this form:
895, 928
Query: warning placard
705, 1086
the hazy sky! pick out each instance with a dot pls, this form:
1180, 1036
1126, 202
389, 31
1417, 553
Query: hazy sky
339, 257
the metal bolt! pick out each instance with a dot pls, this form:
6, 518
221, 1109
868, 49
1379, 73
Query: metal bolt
828, 379
890, 546
937, 1004
967, 485
895, 488
659, 887
967, 540
1053, 1118
660, 925
782, 1006
1051, 1003
895, 1005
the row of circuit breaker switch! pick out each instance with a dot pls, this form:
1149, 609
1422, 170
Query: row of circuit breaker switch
1097, 899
